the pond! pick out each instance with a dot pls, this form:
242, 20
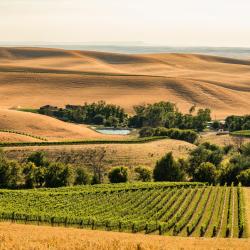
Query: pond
113, 131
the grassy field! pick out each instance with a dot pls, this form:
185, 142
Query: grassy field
130, 155
7, 137
244, 133
179, 209
19, 237
221, 140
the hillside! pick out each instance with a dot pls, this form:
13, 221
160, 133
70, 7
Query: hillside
44, 126
13, 137
31, 77
130, 155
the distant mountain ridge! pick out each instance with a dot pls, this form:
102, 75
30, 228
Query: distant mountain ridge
140, 48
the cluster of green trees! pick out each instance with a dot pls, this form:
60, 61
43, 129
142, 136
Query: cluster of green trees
166, 114
98, 113
207, 163
161, 114
37, 172
120, 174
173, 133
235, 123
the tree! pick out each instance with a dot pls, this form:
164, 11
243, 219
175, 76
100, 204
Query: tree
231, 170
245, 149
10, 173
95, 159
38, 158
16, 177
99, 119
29, 171
203, 116
216, 125
118, 175
112, 122
244, 177
143, 174
4, 170
206, 172
196, 157
205, 152
58, 175
82, 177
167, 169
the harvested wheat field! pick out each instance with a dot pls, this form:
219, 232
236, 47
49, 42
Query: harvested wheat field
73, 77
12, 137
46, 127
43, 237
130, 155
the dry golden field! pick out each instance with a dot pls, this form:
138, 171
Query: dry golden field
12, 137
221, 140
247, 206
47, 127
17, 237
130, 155
31, 77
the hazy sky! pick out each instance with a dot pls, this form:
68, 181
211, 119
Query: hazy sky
164, 22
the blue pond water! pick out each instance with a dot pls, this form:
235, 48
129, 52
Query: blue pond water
111, 131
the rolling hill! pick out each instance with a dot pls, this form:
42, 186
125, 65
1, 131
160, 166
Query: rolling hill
43, 126
31, 77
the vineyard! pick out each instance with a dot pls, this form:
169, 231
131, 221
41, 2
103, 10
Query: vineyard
183, 209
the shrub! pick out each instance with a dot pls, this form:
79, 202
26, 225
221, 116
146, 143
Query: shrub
143, 174
147, 132
246, 149
95, 180
81, 177
228, 148
118, 174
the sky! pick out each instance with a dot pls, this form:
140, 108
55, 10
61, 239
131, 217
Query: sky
154, 22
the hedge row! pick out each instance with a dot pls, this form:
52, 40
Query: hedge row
81, 142
173, 133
